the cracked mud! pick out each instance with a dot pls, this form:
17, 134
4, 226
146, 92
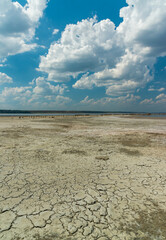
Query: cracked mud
101, 177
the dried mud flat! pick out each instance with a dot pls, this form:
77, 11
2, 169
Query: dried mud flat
101, 177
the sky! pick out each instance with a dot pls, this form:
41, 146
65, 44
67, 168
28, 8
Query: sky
83, 55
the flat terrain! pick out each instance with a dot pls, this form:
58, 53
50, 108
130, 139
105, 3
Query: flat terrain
93, 177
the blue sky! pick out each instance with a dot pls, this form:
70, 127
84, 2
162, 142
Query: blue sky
83, 55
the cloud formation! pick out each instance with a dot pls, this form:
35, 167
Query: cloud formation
5, 78
18, 24
152, 89
78, 50
108, 100
40, 93
43, 90
97, 54
55, 31
161, 98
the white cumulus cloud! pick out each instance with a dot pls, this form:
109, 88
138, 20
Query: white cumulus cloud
55, 31
40, 93
147, 101
4, 78
129, 98
45, 88
97, 54
152, 89
18, 24
81, 48
161, 96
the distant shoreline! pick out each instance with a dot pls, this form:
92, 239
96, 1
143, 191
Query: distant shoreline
35, 114
61, 112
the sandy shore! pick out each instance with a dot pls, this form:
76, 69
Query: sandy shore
94, 177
